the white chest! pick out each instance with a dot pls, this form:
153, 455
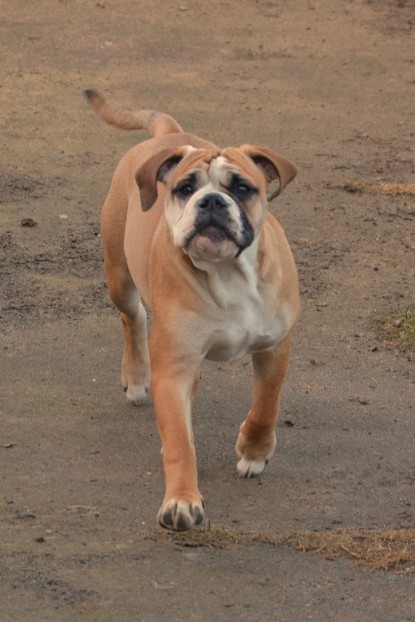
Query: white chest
248, 329
247, 317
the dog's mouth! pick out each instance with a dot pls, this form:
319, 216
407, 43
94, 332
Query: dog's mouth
215, 234
212, 242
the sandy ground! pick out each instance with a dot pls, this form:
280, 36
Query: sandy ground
331, 86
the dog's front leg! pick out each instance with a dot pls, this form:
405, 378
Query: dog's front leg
256, 441
173, 386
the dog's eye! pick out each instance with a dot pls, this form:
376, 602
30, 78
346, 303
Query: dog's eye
243, 189
184, 190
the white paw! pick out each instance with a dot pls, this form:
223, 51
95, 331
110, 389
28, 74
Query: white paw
136, 385
180, 515
136, 394
250, 468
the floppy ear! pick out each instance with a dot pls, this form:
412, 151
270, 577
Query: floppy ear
155, 169
278, 171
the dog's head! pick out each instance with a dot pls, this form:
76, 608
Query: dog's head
216, 199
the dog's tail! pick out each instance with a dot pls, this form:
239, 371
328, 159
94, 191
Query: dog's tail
156, 123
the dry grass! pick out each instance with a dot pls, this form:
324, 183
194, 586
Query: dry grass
362, 186
407, 189
372, 549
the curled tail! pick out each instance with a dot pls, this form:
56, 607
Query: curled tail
156, 123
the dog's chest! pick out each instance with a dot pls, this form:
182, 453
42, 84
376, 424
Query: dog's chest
246, 326
234, 342
245, 313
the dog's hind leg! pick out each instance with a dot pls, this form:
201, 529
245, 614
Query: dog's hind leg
135, 370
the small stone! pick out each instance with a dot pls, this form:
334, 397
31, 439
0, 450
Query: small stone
25, 515
28, 222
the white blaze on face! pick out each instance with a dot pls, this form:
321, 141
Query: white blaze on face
182, 216
221, 171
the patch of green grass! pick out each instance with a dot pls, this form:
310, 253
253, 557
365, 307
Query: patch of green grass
214, 537
358, 187
400, 332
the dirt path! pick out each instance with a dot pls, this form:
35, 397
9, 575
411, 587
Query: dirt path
330, 85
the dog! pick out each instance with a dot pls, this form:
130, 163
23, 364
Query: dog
185, 228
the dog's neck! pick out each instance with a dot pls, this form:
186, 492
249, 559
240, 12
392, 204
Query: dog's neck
230, 280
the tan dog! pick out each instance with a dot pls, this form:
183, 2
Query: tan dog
185, 223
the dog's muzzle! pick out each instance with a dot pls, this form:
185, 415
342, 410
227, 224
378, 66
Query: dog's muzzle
214, 221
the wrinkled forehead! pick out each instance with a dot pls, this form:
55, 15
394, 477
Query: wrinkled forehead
195, 160
219, 166
232, 162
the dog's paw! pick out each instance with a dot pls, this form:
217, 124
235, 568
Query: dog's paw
253, 451
250, 468
136, 393
180, 515
136, 384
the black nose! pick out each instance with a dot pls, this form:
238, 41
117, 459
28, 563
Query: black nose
212, 201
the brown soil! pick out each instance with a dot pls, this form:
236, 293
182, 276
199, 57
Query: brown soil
331, 86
